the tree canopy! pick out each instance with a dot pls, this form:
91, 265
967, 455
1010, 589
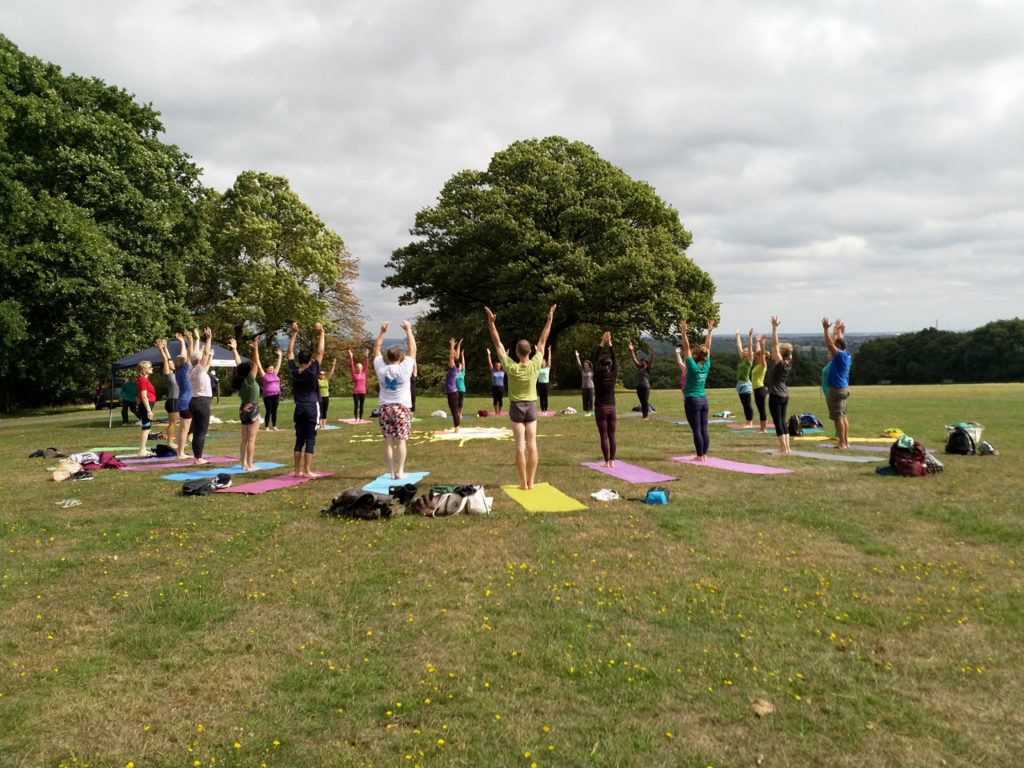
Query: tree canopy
550, 222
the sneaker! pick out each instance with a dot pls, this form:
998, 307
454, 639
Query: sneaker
83, 475
65, 503
605, 494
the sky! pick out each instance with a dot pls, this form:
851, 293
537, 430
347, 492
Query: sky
862, 160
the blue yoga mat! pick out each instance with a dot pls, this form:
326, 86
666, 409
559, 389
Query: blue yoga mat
235, 470
382, 483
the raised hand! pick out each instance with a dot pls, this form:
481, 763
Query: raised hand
491, 317
404, 325
295, 329
775, 322
384, 327
231, 344
319, 327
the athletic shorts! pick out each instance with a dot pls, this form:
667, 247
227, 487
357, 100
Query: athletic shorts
185, 414
836, 399
171, 405
523, 411
395, 421
249, 414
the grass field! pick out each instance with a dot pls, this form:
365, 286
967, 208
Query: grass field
878, 621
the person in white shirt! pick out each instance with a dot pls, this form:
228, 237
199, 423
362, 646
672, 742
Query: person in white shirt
393, 375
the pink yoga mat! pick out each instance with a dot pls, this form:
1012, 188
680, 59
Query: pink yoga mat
731, 466
355, 421
154, 459
271, 484
173, 464
628, 472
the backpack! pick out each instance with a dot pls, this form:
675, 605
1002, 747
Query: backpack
204, 486
794, 427
960, 441
658, 495
908, 458
164, 451
810, 421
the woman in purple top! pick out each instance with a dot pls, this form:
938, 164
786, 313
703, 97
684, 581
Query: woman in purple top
358, 383
451, 381
271, 389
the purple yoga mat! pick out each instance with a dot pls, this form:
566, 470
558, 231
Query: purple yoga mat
189, 463
154, 459
628, 472
270, 484
732, 466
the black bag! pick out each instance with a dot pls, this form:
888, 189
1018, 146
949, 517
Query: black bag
201, 486
794, 427
404, 493
961, 442
164, 451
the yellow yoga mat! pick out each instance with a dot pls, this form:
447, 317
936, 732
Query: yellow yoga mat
543, 497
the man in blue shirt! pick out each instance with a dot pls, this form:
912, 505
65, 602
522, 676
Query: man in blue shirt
838, 378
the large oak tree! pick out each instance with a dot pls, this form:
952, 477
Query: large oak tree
550, 222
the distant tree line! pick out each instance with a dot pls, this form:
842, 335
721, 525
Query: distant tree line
110, 240
992, 353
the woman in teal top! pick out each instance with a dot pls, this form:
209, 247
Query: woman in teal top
460, 379
695, 401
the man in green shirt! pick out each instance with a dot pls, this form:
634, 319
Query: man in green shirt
522, 393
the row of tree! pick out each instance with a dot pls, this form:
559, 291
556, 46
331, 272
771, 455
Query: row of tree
110, 239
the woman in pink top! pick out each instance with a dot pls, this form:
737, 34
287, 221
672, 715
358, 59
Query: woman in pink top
358, 383
271, 390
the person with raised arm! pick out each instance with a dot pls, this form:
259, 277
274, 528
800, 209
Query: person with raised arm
270, 388
460, 380
182, 366
838, 379
451, 381
744, 387
643, 379
171, 403
522, 394
394, 375
324, 383
244, 382
757, 373
695, 401
304, 371
775, 383
358, 383
497, 382
202, 393
544, 381
586, 383
606, 373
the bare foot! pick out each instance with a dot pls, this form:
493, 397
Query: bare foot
611, 463
200, 461
524, 487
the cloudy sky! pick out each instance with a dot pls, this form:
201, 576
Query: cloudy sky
859, 159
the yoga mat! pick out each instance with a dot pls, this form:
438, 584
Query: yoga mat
356, 421
382, 483
876, 440
474, 433
228, 434
744, 426
543, 498
271, 484
545, 414
175, 464
235, 470
628, 472
875, 448
330, 426
732, 466
154, 459
116, 448
830, 456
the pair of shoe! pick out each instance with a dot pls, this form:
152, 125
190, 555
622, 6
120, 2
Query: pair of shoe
605, 494
65, 503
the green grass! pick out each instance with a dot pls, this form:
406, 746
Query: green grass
881, 617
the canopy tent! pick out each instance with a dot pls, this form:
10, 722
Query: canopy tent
222, 358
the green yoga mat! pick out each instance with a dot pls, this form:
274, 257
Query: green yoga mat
543, 498
117, 448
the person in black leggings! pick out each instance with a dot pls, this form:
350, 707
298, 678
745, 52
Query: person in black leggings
775, 382
497, 384
586, 383
643, 379
606, 372
757, 374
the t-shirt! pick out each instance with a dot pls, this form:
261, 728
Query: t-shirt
839, 370
522, 377
604, 381
304, 383
643, 377
172, 387
325, 386
249, 390
358, 379
775, 381
146, 390
184, 386
824, 377
460, 382
743, 370
271, 384
542, 376
497, 378
757, 376
129, 391
451, 379
696, 375
201, 386
394, 380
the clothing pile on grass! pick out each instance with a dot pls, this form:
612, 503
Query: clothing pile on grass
80, 466
440, 501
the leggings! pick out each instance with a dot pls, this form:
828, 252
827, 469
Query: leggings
200, 407
588, 399
777, 404
748, 409
462, 397
358, 401
453, 406
644, 393
325, 403
497, 397
543, 390
270, 406
412, 393
759, 396
605, 418
125, 408
697, 417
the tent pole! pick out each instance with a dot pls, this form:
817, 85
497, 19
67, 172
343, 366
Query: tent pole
110, 401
